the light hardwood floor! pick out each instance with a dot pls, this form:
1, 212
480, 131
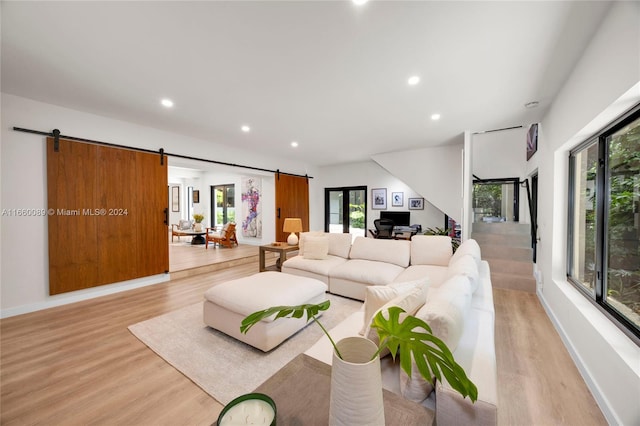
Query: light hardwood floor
79, 364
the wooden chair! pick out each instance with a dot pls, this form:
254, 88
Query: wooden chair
177, 230
225, 237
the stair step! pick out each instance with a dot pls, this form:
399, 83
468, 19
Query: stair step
518, 240
506, 252
501, 228
513, 282
514, 267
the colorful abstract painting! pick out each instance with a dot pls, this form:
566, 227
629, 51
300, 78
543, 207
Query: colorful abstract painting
251, 207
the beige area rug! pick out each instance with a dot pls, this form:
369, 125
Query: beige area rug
222, 366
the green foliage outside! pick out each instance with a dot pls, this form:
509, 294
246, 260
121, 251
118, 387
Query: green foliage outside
356, 215
488, 197
622, 215
623, 232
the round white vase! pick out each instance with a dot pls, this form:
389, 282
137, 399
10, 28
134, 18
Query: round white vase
356, 385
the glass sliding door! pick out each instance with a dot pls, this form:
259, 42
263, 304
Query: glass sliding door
345, 210
223, 204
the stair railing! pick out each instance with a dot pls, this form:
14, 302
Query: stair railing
534, 225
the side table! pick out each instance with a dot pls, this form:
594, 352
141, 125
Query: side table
301, 391
282, 249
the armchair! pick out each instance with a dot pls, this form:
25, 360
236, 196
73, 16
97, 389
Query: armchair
225, 237
179, 229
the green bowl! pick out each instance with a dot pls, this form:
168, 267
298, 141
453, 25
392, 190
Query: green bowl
247, 397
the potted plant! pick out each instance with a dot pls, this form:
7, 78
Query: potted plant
408, 335
198, 218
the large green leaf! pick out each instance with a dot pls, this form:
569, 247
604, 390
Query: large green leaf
283, 312
413, 337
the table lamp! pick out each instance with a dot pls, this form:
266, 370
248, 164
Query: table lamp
292, 225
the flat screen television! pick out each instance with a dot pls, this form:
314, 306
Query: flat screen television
399, 218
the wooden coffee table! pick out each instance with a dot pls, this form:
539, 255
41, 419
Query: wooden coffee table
301, 392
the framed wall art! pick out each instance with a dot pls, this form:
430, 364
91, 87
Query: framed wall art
416, 203
196, 196
397, 199
532, 140
175, 198
379, 197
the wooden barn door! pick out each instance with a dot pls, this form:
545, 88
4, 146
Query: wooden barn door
292, 200
107, 215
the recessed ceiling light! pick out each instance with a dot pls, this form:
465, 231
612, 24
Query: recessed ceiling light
294, 144
359, 2
531, 104
413, 80
435, 117
167, 103
246, 128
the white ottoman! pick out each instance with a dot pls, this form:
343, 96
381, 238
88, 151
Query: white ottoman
227, 304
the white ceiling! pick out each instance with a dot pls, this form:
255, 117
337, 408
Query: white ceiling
328, 74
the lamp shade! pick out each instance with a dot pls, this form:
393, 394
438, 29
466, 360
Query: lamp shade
292, 225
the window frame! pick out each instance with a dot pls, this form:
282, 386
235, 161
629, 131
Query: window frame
597, 296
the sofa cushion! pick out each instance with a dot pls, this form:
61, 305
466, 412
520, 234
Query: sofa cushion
339, 244
446, 308
377, 296
470, 247
397, 252
410, 302
431, 250
436, 274
316, 248
465, 265
445, 311
320, 267
366, 271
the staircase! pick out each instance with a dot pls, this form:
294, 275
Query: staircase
507, 248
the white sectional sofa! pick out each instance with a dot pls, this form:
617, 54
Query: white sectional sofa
456, 300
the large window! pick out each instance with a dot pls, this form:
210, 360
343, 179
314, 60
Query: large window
604, 221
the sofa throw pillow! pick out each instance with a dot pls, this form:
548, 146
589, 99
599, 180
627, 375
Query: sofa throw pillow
184, 225
465, 265
410, 302
377, 296
303, 239
316, 248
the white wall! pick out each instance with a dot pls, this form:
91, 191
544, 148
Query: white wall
603, 85
502, 154
435, 173
24, 267
370, 174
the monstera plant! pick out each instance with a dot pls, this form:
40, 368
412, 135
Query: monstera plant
409, 336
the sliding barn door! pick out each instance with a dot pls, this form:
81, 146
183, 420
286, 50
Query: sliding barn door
292, 200
107, 215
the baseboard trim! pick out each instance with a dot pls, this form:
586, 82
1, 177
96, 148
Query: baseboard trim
86, 294
601, 399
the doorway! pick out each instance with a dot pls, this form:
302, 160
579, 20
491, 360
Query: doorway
345, 210
496, 200
223, 204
